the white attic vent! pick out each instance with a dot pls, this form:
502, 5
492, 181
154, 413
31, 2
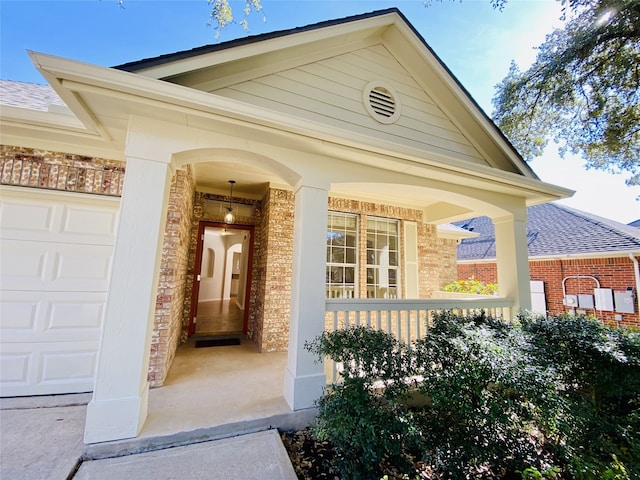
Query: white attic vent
382, 102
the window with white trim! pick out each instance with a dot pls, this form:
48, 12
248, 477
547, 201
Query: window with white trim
383, 258
342, 255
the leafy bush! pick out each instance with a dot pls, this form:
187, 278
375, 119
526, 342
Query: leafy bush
541, 398
363, 416
485, 391
471, 285
597, 372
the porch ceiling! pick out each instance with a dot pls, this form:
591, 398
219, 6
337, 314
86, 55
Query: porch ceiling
251, 182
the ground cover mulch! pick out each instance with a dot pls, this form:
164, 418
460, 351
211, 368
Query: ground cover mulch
312, 459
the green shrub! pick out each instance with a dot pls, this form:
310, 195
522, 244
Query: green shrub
597, 372
471, 285
485, 391
364, 417
541, 398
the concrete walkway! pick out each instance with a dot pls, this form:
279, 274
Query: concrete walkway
256, 456
41, 439
215, 417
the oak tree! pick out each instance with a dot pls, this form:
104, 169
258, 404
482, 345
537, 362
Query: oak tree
583, 90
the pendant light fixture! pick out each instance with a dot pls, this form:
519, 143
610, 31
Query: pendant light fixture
230, 217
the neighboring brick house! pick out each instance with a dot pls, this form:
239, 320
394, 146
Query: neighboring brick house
351, 145
580, 263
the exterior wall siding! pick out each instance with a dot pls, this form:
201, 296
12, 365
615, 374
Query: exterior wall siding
614, 272
447, 261
331, 91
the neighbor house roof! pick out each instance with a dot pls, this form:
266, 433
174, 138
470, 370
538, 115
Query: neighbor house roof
554, 230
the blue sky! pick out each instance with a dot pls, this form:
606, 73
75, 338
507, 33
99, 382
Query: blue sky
475, 41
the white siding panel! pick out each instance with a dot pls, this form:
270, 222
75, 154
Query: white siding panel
330, 91
55, 256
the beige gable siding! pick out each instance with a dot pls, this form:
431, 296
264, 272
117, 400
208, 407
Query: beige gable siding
331, 91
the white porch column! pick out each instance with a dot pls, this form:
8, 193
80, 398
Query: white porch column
512, 258
305, 380
119, 405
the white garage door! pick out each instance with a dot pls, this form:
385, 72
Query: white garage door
56, 251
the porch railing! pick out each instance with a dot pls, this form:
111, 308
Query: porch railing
407, 320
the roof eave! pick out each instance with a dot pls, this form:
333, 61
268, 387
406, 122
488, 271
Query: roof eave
172, 64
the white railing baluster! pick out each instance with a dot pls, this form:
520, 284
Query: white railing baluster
349, 312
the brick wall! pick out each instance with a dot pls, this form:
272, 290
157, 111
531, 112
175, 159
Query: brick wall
484, 272
28, 167
447, 261
614, 272
274, 262
168, 322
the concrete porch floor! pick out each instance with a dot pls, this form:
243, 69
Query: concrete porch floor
212, 393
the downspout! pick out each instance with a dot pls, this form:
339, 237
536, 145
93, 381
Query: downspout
636, 271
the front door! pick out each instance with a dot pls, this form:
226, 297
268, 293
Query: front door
220, 300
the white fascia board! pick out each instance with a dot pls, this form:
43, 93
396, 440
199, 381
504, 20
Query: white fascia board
449, 231
19, 115
72, 77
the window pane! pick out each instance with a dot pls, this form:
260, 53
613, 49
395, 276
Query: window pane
351, 239
336, 275
341, 260
382, 258
350, 275
371, 241
350, 255
371, 276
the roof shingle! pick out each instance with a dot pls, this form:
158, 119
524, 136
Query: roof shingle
554, 230
28, 95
